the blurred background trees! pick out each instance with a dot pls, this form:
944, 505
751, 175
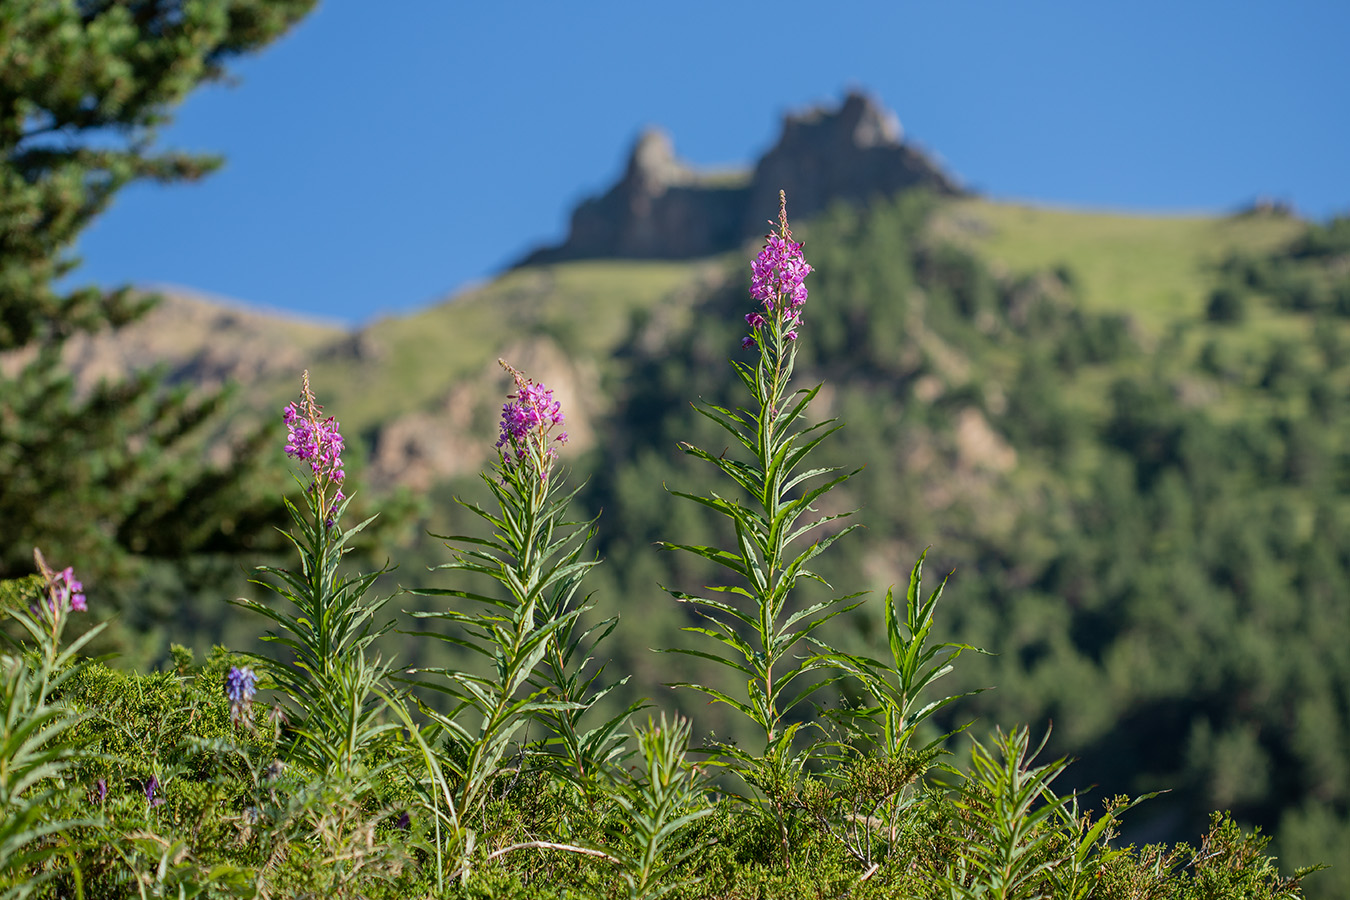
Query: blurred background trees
115, 475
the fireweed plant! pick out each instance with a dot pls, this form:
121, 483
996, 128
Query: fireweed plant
660, 797
340, 739
530, 630
756, 631
35, 756
333, 683
877, 766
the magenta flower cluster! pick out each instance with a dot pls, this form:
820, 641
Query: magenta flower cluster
66, 591
318, 442
778, 281
779, 272
530, 414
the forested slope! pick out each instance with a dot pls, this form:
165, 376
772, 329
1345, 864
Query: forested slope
1146, 514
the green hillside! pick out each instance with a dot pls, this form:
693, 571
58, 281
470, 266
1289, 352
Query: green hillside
1155, 268
583, 307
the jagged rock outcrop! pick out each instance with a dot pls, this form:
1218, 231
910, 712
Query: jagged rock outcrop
852, 154
662, 208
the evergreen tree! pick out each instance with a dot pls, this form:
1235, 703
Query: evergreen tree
107, 476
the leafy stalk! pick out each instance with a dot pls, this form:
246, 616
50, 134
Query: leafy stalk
662, 799
36, 752
1012, 816
334, 681
879, 764
529, 631
895, 685
755, 631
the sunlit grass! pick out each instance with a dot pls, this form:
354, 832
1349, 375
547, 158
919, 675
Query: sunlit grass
1157, 268
584, 307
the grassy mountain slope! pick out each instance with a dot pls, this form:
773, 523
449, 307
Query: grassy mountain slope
411, 361
1156, 268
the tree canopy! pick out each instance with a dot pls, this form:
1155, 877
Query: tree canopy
117, 472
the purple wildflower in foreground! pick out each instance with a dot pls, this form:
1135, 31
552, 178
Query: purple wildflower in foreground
64, 590
68, 591
101, 791
150, 787
528, 419
240, 686
318, 442
777, 280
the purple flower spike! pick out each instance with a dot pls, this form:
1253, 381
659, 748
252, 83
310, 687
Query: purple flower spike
101, 790
240, 686
64, 590
317, 441
69, 590
150, 787
777, 280
778, 274
528, 420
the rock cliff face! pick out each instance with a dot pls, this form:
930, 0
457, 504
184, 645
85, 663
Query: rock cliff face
664, 209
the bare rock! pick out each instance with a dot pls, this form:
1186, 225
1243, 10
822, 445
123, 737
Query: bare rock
663, 208
978, 446
852, 155
660, 209
457, 436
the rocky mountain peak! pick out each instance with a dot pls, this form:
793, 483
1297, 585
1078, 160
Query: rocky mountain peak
664, 208
860, 122
652, 166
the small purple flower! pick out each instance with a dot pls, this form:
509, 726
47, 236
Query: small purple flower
748, 343
240, 686
404, 822
64, 590
150, 787
68, 591
101, 790
528, 418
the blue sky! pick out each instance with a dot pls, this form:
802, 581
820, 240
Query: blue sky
382, 156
